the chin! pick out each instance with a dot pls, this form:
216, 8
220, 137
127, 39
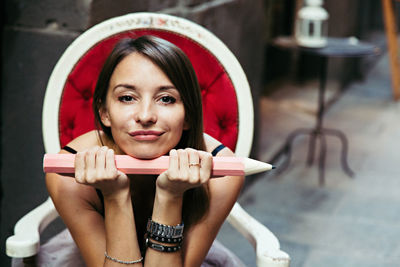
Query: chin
141, 155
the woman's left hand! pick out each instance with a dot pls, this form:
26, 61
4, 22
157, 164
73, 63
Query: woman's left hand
188, 168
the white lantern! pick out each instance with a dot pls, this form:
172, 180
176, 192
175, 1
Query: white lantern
312, 25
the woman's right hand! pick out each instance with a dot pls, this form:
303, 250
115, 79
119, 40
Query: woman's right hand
96, 167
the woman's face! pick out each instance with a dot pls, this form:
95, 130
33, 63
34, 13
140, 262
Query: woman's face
143, 109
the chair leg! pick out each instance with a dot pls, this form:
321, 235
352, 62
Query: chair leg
391, 35
30, 261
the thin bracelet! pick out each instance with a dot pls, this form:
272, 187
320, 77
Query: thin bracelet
164, 239
162, 248
120, 261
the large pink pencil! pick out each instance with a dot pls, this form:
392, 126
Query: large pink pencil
64, 163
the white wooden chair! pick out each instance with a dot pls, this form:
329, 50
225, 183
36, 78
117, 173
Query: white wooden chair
67, 112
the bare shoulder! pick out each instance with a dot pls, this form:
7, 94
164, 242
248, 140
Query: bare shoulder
88, 140
227, 185
212, 143
59, 186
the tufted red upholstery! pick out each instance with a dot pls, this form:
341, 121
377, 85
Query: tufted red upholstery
219, 98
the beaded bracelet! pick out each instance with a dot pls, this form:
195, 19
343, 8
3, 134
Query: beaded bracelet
121, 261
162, 248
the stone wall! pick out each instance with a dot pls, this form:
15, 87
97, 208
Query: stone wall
34, 36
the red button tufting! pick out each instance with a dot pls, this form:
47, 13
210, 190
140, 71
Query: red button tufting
87, 95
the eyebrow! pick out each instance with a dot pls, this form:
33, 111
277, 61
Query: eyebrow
128, 86
132, 87
167, 87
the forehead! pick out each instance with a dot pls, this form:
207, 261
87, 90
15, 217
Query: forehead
139, 68
135, 61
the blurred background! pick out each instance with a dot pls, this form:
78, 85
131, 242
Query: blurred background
345, 222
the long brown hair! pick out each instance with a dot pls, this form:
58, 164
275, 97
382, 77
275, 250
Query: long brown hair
176, 65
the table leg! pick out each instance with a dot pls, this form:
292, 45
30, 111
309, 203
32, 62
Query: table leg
287, 149
311, 148
318, 132
322, 131
320, 116
322, 159
345, 148
321, 93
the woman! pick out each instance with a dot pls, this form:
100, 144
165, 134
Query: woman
147, 103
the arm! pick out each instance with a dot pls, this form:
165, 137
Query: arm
87, 229
167, 210
188, 168
168, 205
223, 195
96, 167
79, 206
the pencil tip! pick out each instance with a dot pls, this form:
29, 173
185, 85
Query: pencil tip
273, 167
254, 166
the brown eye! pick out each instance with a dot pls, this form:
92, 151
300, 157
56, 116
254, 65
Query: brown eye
125, 98
167, 100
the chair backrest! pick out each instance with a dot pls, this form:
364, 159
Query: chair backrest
227, 102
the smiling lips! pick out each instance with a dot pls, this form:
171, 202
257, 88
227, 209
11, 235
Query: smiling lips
145, 135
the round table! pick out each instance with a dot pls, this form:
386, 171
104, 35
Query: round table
336, 47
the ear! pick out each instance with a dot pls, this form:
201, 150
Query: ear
105, 117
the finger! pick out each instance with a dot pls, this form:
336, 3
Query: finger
194, 165
79, 165
173, 164
90, 161
183, 158
111, 168
206, 164
101, 161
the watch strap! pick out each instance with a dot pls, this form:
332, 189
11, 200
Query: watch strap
163, 230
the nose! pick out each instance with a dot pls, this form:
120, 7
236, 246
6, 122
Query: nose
145, 113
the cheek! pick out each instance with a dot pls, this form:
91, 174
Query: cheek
181, 121
119, 115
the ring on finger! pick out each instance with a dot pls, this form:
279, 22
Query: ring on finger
194, 164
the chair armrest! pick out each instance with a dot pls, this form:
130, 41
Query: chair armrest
26, 239
263, 240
